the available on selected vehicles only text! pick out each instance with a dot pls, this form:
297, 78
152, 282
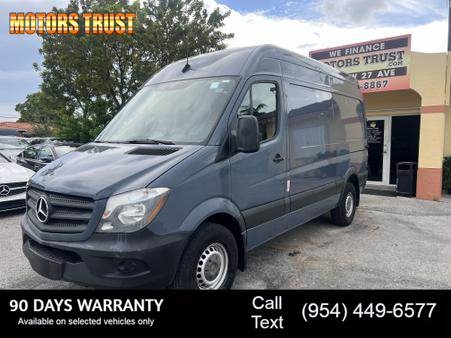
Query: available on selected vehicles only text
209, 160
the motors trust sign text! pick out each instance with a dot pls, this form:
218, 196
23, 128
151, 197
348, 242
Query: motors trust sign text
63, 23
378, 65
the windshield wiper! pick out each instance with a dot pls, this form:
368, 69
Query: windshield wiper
104, 142
148, 141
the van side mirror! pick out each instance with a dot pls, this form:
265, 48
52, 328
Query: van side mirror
247, 134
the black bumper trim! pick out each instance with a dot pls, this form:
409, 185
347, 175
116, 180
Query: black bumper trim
43, 264
95, 262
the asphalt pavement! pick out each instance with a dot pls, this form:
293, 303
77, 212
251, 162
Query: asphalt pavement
394, 243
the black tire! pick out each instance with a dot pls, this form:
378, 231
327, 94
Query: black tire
341, 215
209, 238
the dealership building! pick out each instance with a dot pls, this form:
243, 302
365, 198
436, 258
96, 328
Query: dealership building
407, 99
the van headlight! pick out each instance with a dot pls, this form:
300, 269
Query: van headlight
133, 210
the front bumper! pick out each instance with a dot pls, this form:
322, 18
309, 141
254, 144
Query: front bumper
13, 202
134, 260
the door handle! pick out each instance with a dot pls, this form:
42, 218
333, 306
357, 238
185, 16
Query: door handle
278, 158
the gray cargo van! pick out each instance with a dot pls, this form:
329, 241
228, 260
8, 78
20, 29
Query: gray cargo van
210, 159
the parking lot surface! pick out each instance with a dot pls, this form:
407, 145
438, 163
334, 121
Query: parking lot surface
394, 243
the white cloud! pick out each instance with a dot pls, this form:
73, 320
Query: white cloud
352, 11
250, 29
367, 11
302, 36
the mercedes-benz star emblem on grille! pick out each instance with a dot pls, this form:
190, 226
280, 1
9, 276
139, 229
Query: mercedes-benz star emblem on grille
4, 190
42, 209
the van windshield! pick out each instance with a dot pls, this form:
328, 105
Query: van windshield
175, 112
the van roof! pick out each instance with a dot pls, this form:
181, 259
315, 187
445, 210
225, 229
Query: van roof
247, 61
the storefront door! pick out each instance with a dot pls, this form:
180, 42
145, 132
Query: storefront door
379, 135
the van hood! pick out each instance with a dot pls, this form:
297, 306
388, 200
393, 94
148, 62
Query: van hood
99, 170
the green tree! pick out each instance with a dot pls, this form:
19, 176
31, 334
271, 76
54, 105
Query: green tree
40, 110
91, 76
180, 28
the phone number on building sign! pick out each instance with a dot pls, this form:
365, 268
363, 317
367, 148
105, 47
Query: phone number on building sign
376, 84
371, 310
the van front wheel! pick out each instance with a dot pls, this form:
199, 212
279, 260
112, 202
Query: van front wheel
343, 214
210, 261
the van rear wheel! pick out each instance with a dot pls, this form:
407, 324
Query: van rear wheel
343, 214
210, 261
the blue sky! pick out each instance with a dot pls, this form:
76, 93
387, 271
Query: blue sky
299, 25
282, 8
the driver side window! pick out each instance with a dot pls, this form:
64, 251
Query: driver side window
261, 101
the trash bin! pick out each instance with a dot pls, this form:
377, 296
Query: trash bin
406, 178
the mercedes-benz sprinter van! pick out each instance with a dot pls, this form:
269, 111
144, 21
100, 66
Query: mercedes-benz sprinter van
210, 159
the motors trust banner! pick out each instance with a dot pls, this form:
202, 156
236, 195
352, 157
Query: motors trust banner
378, 65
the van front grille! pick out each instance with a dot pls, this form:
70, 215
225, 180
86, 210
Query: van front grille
66, 214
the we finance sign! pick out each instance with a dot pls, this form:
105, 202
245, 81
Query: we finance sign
378, 65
